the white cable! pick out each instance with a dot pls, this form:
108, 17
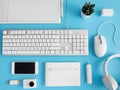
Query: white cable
115, 29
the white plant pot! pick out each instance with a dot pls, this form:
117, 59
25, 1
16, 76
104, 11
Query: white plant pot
84, 16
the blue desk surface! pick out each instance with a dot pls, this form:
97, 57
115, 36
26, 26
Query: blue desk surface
75, 21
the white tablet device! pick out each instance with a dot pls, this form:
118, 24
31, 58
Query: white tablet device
30, 11
24, 68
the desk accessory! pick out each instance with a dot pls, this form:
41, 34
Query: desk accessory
14, 82
62, 74
107, 12
100, 45
29, 83
31, 11
109, 81
45, 42
89, 73
24, 68
87, 10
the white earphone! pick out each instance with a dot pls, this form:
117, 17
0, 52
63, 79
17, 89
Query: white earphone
107, 79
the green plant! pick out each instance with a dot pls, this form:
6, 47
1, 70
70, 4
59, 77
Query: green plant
88, 8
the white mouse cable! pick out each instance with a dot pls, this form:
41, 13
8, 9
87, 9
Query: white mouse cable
115, 29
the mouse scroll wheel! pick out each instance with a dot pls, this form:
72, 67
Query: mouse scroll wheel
100, 39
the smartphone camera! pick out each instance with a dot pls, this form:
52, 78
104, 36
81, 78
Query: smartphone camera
29, 83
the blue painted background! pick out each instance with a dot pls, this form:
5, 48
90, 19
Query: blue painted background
75, 21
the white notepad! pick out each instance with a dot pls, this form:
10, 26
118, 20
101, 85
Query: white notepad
30, 11
62, 74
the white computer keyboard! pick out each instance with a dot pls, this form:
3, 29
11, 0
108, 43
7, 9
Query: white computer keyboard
45, 42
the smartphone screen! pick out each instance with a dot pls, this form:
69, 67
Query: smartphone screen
24, 68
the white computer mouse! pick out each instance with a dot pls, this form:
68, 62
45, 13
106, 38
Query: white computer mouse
100, 45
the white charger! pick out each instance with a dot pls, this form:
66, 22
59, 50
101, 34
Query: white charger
107, 12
